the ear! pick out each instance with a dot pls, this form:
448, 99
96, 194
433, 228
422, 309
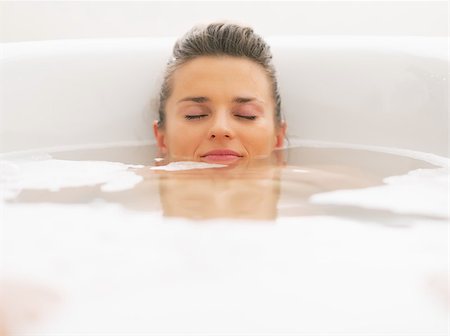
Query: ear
280, 134
159, 137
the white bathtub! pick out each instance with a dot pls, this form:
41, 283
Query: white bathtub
99, 267
379, 91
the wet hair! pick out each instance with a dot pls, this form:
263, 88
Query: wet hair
219, 39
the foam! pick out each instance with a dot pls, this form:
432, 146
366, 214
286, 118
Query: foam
104, 260
421, 191
53, 175
187, 165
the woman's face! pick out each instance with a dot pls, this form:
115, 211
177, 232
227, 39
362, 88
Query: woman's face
221, 110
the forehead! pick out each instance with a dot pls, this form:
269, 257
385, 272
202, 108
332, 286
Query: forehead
223, 76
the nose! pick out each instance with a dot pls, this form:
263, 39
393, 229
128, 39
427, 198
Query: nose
221, 128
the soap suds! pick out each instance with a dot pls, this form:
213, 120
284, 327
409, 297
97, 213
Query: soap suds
122, 181
421, 191
56, 174
187, 165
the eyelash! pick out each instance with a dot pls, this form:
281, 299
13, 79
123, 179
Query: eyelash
247, 117
199, 116
192, 117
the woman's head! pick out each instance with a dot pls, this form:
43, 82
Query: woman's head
219, 101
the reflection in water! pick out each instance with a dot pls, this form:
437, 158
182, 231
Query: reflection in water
280, 185
221, 193
252, 189
255, 189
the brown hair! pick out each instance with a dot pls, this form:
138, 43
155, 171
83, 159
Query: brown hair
219, 39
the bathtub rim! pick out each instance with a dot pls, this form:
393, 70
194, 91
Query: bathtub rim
434, 159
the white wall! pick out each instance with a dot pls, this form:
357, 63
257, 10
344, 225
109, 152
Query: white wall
43, 20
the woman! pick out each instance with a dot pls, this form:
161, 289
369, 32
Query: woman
219, 102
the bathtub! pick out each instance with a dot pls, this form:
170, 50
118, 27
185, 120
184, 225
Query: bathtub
378, 91
104, 269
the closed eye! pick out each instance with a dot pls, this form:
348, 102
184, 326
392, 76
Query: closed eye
245, 117
195, 116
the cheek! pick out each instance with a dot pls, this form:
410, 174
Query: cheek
259, 140
181, 140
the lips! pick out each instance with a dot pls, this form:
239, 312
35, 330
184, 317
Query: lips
221, 156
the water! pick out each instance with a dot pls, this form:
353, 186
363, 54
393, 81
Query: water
312, 240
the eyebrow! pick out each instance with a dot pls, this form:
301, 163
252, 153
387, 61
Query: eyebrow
243, 100
201, 99
194, 99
